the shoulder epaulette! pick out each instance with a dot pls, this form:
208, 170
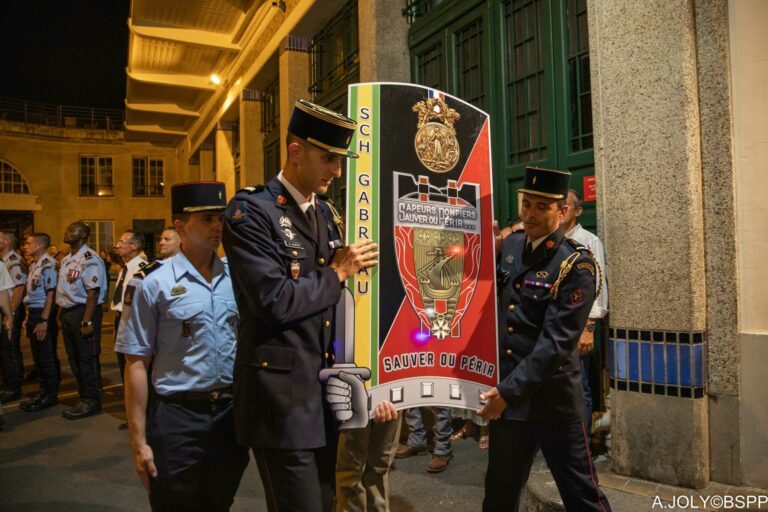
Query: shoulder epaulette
148, 269
253, 189
578, 246
87, 255
12, 256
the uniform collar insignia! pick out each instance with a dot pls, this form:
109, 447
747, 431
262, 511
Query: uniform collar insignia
510, 259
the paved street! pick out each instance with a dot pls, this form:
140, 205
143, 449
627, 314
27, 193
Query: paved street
51, 464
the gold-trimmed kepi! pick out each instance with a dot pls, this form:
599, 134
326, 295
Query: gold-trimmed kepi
549, 183
198, 196
324, 128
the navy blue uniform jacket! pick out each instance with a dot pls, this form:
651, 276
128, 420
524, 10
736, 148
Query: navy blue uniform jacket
538, 331
286, 295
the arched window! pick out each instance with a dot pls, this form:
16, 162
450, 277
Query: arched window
11, 180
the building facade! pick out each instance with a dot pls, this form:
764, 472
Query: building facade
54, 175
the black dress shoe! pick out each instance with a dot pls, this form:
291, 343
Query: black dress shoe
41, 402
82, 410
26, 403
9, 395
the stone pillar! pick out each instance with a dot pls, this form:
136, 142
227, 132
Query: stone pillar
383, 33
294, 80
648, 166
225, 161
251, 139
206, 161
718, 180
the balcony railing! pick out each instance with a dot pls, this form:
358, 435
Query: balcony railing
62, 116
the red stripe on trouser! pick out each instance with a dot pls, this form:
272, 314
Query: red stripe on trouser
271, 491
591, 469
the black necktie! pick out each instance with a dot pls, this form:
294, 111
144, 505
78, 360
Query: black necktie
528, 254
312, 216
117, 298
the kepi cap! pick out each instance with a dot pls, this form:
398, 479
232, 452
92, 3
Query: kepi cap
549, 183
198, 196
322, 127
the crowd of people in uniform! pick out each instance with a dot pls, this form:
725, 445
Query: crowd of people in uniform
221, 356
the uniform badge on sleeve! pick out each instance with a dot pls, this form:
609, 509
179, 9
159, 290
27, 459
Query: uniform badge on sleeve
95, 279
576, 297
295, 269
237, 211
128, 296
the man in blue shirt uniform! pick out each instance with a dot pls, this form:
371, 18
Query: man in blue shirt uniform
288, 266
10, 341
180, 315
80, 292
41, 323
546, 286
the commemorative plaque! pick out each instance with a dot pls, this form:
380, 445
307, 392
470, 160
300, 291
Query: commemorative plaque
424, 320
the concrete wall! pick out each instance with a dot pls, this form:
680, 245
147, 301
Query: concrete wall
749, 76
51, 167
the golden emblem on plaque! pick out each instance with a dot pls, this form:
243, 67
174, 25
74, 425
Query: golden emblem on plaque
439, 258
436, 144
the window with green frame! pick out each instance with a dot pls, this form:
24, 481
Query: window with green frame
270, 127
526, 63
335, 63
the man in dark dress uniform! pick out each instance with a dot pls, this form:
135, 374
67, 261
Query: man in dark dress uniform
546, 286
288, 264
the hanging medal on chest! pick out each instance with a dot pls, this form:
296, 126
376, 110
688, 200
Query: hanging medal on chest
295, 269
72, 275
186, 328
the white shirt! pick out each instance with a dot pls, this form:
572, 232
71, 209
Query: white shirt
133, 266
6, 283
302, 201
590, 240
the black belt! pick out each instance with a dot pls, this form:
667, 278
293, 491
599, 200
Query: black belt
70, 308
214, 395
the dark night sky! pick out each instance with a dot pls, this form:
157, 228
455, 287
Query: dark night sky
68, 52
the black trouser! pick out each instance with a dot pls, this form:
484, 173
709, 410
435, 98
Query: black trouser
44, 351
10, 351
83, 351
513, 445
120, 355
300, 480
199, 463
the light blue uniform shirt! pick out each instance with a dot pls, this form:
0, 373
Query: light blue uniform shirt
188, 325
12, 262
42, 278
79, 273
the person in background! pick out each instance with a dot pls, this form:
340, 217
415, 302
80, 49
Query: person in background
10, 340
42, 330
417, 437
170, 243
6, 285
129, 249
573, 229
80, 292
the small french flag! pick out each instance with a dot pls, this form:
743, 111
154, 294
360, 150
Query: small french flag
436, 94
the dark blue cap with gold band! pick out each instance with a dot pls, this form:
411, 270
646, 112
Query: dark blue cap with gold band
198, 196
549, 183
324, 128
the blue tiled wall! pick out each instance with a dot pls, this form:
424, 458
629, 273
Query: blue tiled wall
660, 362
